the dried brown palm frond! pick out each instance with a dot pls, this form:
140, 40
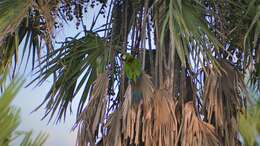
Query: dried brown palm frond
224, 100
152, 122
12, 13
162, 120
27, 21
132, 114
114, 136
46, 9
94, 113
197, 132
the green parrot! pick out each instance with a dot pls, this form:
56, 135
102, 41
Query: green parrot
133, 70
133, 67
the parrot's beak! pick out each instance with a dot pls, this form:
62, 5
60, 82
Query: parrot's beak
123, 57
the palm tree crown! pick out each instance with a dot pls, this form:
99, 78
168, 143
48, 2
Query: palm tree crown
180, 84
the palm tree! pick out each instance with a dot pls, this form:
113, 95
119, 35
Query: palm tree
155, 72
249, 123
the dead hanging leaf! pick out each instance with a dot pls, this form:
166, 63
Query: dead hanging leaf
197, 132
133, 116
47, 9
114, 125
90, 119
152, 122
224, 100
161, 120
12, 14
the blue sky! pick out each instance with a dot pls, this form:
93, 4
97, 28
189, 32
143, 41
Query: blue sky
60, 134
29, 98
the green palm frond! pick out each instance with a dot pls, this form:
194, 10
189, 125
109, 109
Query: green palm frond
253, 14
248, 126
185, 23
252, 40
29, 140
74, 66
9, 116
249, 122
10, 119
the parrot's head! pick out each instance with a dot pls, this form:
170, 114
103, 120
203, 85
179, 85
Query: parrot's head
126, 57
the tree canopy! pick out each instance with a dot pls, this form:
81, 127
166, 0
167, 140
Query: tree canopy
153, 72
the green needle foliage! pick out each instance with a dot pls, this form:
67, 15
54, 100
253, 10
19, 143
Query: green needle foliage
10, 120
75, 65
